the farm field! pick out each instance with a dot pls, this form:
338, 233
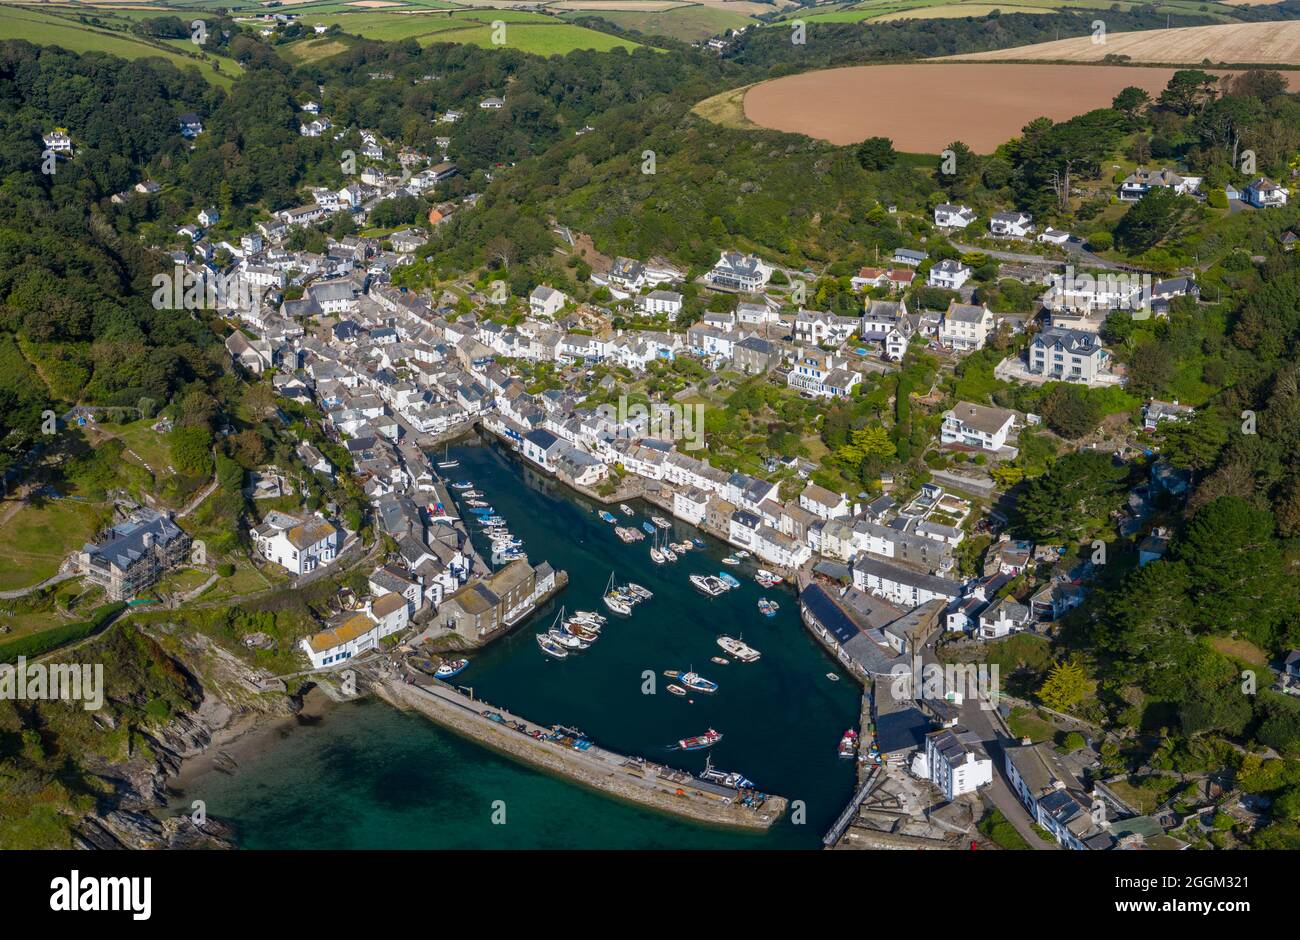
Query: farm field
1230, 43
528, 32
888, 10
980, 105
53, 30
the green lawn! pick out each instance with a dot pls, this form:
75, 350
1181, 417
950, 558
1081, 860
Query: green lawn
37, 537
1026, 724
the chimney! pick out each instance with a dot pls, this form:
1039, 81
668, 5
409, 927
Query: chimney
1025, 741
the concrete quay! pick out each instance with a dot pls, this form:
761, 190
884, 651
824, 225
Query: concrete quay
634, 780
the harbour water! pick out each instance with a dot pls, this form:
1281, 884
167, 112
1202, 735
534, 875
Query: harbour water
370, 777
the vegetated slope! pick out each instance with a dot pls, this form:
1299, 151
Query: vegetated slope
1230, 43
46, 29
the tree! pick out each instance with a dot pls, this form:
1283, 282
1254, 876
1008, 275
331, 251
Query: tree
876, 153
1075, 491
1065, 686
1188, 90
1238, 576
191, 450
1152, 219
1194, 444
1070, 411
1131, 102
1264, 84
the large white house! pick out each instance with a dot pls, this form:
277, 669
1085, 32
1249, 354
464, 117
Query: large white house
298, 544
1071, 355
1016, 224
666, 302
1263, 193
949, 274
965, 326
740, 272
976, 426
950, 216
822, 375
546, 301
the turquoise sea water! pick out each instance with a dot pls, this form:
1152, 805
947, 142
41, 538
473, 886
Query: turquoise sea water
370, 777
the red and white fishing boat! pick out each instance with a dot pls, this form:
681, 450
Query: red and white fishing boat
700, 741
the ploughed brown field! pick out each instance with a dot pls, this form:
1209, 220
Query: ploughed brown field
1228, 43
925, 107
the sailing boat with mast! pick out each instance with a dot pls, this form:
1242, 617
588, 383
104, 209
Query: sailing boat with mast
615, 599
656, 554
446, 463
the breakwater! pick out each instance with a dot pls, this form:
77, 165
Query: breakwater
618, 775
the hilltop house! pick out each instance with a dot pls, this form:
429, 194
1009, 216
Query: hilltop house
58, 141
1016, 224
191, 125
1141, 181
133, 554
299, 544
1263, 193
976, 426
949, 274
1069, 355
950, 216
734, 271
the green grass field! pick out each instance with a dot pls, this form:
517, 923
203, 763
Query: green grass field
528, 32
58, 29
35, 539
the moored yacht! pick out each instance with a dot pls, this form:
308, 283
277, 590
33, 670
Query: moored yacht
708, 584
738, 649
